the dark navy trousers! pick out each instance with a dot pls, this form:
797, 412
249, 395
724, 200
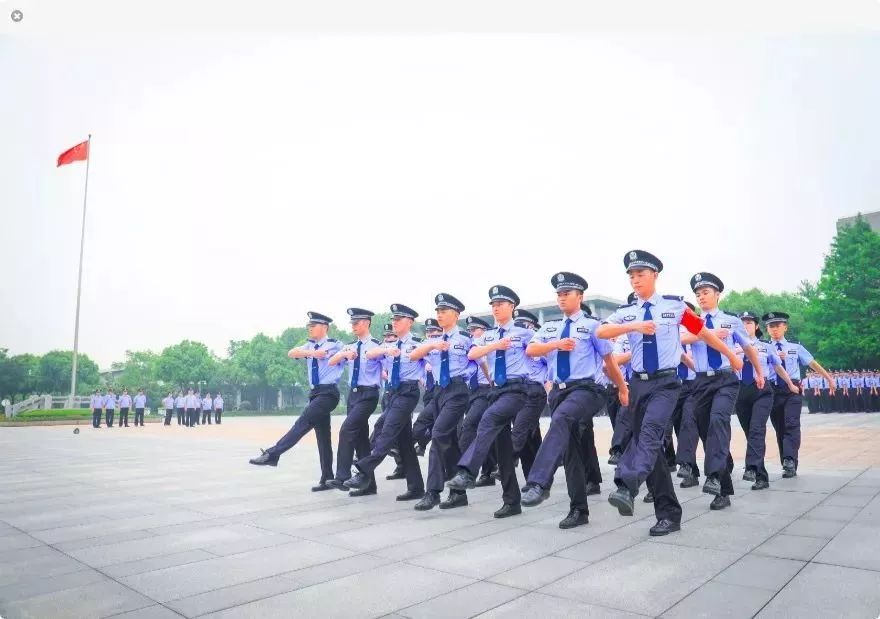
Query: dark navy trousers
424, 423
689, 434
623, 430
714, 403
562, 443
786, 419
504, 403
316, 416
753, 409
477, 405
451, 403
526, 434
354, 435
96, 417
650, 403
396, 431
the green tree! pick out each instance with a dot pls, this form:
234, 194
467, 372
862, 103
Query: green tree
761, 302
53, 373
19, 375
843, 312
186, 363
377, 326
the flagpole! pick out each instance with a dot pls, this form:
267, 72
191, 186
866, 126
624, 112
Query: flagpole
82, 243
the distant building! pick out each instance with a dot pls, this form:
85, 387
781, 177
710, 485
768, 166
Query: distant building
601, 307
873, 220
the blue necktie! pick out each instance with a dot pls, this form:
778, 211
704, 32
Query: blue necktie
649, 346
682, 368
500, 364
356, 370
474, 381
748, 372
712, 355
781, 360
315, 379
444, 365
395, 368
563, 366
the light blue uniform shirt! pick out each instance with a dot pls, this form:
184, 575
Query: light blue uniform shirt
370, 372
409, 370
125, 401
621, 347
140, 401
766, 356
207, 404
738, 335
795, 356
327, 374
588, 348
218, 403
168, 402
459, 345
180, 402
515, 356
96, 401
843, 381
110, 401
857, 381
666, 313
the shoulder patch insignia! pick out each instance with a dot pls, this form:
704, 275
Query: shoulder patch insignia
667, 315
673, 297
330, 339
374, 340
416, 338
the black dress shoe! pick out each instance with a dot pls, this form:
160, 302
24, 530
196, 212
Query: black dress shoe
429, 501
689, 482
462, 481
420, 451
788, 473
411, 495
358, 481
622, 500
362, 492
672, 467
454, 499
760, 484
719, 502
397, 474
484, 481
749, 475
684, 471
575, 518
649, 498
336, 484
712, 485
788, 468
534, 495
508, 510
593, 488
614, 458
265, 459
321, 487
664, 527
495, 474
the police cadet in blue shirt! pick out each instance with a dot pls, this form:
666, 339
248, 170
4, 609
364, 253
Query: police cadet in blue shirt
651, 324
449, 353
621, 424
388, 337
140, 403
96, 402
754, 403
526, 432
109, 404
323, 398
396, 432
480, 388
365, 376
421, 428
786, 412
575, 354
717, 385
504, 347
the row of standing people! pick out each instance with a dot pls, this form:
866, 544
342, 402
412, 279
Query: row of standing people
857, 392
666, 340
193, 408
190, 407
105, 404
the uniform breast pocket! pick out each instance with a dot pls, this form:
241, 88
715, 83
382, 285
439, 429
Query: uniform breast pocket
666, 327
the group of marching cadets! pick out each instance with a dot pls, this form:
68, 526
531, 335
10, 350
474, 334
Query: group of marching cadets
106, 404
193, 408
662, 372
858, 391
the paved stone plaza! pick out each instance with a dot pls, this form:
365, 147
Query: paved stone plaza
168, 522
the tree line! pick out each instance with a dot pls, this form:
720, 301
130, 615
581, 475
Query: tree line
837, 318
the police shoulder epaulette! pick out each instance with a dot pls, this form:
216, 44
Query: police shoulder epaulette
416, 338
374, 340
673, 297
793, 342
764, 341
330, 339
352, 343
625, 305
553, 320
464, 333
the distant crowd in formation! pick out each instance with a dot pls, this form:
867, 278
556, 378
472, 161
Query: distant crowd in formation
192, 407
857, 392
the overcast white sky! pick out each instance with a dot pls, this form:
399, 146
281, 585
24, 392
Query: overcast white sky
237, 182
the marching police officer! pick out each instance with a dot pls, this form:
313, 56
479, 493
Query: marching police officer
574, 353
192, 403
651, 324
323, 398
504, 346
109, 407
140, 403
207, 408
124, 406
754, 403
180, 405
526, 432
480, 388
717, 385
403, 396
218, 408
448, 353
365, 375
96, 402
786, 412
168, 403
421, 429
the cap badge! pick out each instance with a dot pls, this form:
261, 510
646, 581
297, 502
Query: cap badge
633, 255
440, 297
560, 277
495, 290
698, 277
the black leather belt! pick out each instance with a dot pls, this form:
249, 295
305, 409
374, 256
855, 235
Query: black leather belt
513, 381
365, 388
653, 375
328, 387
574, 382
716, 372
454, 380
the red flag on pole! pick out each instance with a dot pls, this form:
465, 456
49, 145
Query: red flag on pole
80, 152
